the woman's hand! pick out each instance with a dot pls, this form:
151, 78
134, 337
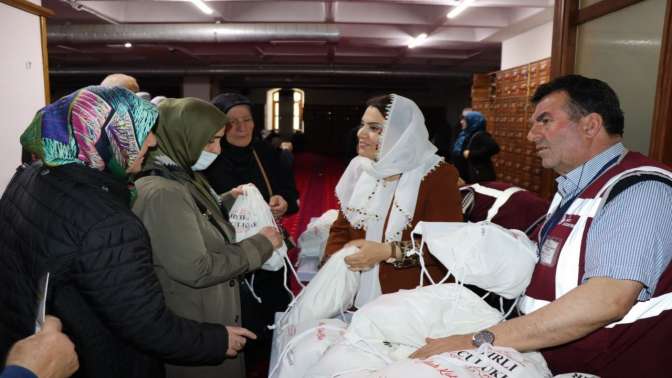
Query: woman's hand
370, 253
237, 339
465, 153
238, 190
273, 236
278, 206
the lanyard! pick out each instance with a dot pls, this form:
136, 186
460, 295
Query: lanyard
557, 215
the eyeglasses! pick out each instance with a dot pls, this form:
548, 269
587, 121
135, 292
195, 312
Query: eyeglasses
239, 121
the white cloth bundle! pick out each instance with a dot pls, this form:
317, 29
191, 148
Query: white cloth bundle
483, 254
393, 326
304, 345
408, 317
350, 355
248, 215
331, 292
487, 361
314, 239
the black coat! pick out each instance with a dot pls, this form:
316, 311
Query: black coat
74, 222
478, 167
237, 166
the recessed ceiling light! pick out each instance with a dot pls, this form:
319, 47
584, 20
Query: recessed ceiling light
460, 8
128, 45
201, 5
417, 40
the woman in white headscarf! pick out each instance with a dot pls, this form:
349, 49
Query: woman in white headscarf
396, 180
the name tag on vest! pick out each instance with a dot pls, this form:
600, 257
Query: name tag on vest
548, 255
569, 220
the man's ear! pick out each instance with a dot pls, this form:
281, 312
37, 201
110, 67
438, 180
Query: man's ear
591, 124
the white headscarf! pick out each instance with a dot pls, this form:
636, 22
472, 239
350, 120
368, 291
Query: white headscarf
365, 197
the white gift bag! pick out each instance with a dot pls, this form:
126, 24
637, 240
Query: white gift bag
485, 362
484, 254
304, 345
331, 292
248, 215
407, 317
350, 356
314, 239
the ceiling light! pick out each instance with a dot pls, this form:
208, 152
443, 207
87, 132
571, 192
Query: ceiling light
417, 40
460, 8
128, 45
201, 5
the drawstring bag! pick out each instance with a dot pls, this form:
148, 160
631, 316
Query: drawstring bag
351, 355
407, 317
314, 239
330, 293
485, 362
391, 327
304, 346
483, 254
248, 215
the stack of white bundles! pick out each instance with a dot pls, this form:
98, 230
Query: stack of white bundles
304, 345
331, 293
393, 326
485, 362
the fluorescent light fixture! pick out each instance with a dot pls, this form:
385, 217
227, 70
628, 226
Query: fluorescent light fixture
128, 45
417, 40
460, 8
201, 5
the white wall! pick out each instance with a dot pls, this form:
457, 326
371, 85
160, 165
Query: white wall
530, 46
196, 86
21, 81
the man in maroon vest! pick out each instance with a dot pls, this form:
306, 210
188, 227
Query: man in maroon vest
600, 299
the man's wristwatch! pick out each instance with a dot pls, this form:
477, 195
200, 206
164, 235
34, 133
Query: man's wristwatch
483, 337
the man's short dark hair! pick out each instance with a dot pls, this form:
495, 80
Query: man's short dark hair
586, 96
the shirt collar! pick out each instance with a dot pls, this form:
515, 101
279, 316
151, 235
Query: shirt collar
576, 180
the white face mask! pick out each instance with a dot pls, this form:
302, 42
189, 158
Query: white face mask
204, 161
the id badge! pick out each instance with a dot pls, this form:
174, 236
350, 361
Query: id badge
548, 255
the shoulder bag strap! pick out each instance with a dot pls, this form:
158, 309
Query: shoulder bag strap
263, 173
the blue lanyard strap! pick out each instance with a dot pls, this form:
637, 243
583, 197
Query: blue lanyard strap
557, 215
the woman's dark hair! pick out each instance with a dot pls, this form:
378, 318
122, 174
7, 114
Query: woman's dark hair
381, 103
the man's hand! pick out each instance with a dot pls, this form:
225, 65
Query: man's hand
237, 339
370, 253
278, 206
272, 235
443, 345
48, 353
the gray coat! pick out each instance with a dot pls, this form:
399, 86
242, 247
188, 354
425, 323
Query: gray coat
197, 266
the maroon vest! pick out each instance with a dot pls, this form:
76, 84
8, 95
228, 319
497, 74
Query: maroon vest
635, 346
521, 211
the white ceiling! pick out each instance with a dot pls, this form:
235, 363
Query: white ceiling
366, 36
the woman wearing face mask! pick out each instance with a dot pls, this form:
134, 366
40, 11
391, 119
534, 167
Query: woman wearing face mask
195, 256
396, 181
68, 213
